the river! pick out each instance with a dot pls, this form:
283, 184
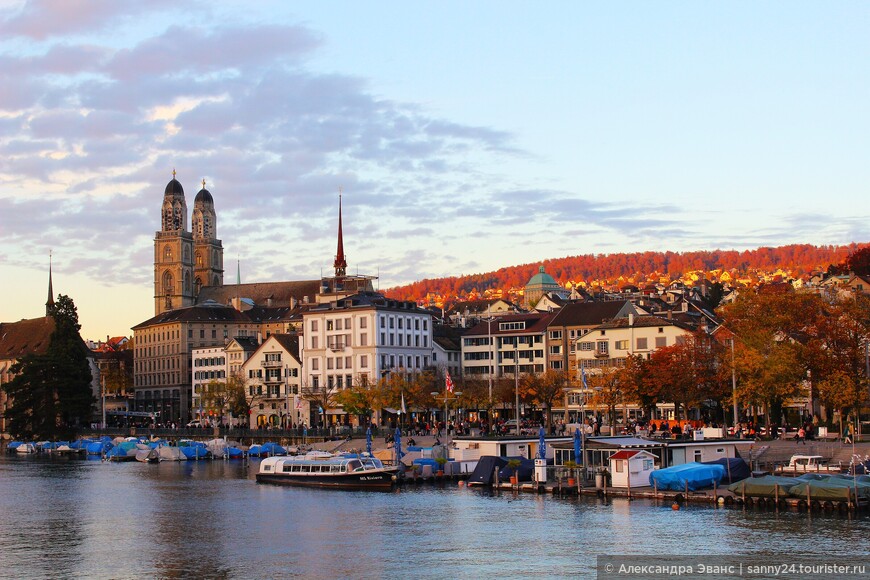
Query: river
72, 518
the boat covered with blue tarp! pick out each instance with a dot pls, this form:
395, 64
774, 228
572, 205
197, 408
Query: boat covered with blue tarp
692, 476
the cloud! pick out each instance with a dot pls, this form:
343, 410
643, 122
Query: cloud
41, 19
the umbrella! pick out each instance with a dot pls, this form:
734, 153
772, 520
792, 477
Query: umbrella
369, 440
578, 454
398, 445
542, 444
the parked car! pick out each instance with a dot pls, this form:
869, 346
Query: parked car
196, 423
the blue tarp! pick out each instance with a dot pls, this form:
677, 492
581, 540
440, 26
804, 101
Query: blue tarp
735, 468
695, 476
98, 447
524, 472
234, 452
195, 452
273, 449
255, 450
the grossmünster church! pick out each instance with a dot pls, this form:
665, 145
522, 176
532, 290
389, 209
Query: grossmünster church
186, 261
194, 309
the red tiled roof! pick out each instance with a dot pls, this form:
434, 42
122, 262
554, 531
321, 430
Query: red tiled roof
30, 336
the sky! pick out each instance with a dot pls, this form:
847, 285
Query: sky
465, 136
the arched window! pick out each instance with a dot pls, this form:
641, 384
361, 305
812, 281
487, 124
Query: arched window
167, 253
186, 278
198, 257
168, 283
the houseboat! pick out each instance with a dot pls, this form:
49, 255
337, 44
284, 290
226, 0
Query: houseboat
336, 472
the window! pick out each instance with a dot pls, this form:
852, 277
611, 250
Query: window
314, 342
315, 382
313, 326
400, 324
602, 347
621, 345
364, 361
362, 322
555, 350
556, 335
329, 325
587, 346
202, 333
214, 333
512, 325
364, 339
348, 362
661, 341
315, 364
641, 344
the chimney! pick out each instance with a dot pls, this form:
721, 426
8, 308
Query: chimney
259, 338
670, 314
631, 318
293, 302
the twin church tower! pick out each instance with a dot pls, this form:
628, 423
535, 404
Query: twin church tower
185, 261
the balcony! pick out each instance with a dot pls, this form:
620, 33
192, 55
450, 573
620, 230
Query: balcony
337, 347
270, 363
601, 354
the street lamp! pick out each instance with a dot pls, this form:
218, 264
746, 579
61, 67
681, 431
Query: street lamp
517, 380
447, 397
734, 384
489, 362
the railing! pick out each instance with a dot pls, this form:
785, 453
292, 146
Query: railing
270, 363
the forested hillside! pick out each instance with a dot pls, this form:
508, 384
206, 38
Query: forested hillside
796, 261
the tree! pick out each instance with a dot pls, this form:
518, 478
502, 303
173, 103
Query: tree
238, 403
771, 330
51, 392
859, 261
544, 389
216, 396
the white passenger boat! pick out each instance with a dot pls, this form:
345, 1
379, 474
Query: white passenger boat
337, 472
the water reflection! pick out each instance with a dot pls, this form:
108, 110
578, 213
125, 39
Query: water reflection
68, 518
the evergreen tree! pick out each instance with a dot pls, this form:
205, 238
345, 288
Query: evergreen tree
51, 392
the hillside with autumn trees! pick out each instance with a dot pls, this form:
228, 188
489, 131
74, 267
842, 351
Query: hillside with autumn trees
611, 271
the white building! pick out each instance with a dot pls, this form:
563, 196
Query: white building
362, 338
494, 346
208, 364
272, 376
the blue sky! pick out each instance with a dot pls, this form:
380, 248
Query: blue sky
466, 136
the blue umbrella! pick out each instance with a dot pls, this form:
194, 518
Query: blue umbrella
369, 440
398, 445
542, 444
578, 453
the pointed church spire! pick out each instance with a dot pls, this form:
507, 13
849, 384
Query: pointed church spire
340, 262
50, 302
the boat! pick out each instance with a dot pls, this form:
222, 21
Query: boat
807, 464
147, 455
335, 472
687, 477
25, 448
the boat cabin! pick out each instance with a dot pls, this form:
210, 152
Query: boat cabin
631, 468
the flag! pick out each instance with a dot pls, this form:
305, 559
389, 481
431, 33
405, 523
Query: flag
403, 411
298, 402
449, 383
583, 376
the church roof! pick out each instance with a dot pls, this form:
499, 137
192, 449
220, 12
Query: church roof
280, 293
203, 196
29, 336
173, 188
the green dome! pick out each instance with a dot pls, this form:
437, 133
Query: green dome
542, 279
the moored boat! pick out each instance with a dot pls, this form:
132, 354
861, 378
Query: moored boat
336, 472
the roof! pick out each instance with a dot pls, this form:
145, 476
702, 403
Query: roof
536, 322
29, 336
173, 188
542, 279
211, 312
588, 313
290, 343
643, 322
203, 196
280, 293
629, 453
